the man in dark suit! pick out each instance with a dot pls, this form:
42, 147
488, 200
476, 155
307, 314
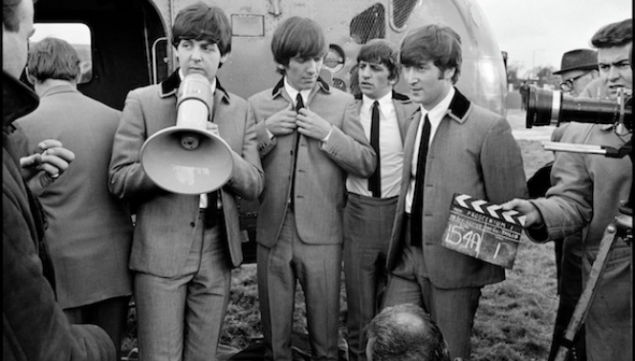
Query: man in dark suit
452, 146
370, 207
34, 326
185, 245
309, 137
89, 230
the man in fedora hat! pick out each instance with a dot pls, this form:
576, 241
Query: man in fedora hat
577, 68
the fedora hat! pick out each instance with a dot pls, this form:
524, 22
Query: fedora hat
578, 59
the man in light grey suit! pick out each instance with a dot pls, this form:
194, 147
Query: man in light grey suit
452, 146
370, 208
89, 230
306, 153
185, 245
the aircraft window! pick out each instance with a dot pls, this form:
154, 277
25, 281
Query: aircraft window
248, 25
369, 24
335, 58
78, 35
400, 12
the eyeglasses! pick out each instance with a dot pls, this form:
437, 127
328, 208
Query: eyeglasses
567, 85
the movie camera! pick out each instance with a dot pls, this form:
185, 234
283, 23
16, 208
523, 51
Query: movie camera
545, 107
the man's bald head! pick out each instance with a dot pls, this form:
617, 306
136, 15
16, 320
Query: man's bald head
405, 333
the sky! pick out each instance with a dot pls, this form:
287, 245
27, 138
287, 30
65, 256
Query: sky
537, 32
74, 33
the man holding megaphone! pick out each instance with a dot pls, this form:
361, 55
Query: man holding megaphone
182, 153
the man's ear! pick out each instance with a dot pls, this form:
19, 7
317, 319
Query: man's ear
222, 60
448, 74
28, 75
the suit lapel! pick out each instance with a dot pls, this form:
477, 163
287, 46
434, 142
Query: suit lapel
409, 145
402, 118
221, 113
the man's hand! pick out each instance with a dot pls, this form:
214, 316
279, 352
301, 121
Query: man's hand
282, 122
527, 209
41, 169
212, 128
312, 125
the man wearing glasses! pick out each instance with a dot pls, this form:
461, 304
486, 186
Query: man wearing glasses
578, 68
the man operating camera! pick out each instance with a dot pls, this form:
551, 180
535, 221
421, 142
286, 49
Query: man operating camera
585, 196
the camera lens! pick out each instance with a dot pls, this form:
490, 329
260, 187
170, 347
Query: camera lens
543, 107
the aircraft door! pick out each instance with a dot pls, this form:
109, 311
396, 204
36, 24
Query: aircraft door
122, 35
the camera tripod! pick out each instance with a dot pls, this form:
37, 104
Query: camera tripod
621, 228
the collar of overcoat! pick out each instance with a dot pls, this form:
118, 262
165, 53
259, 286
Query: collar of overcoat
458, 110
321, 85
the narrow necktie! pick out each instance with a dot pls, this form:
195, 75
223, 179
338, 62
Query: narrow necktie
299, 104
417, 202
374, 182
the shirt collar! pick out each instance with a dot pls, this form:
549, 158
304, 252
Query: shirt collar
384, 102
439, 110
293, 92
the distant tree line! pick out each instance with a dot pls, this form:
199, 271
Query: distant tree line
538, 76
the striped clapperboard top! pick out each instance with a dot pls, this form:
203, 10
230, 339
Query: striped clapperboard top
490, 209
483, 230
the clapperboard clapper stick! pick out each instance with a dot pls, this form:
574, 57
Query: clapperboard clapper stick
483, 230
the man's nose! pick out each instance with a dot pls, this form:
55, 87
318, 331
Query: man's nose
196, 53
312, 66
614, 73
409, 76
364, 72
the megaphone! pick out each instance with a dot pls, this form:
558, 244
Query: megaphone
187, 158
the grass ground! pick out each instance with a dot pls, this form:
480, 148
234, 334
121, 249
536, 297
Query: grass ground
514, 320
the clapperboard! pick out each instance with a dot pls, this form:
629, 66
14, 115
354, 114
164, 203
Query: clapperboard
483, 230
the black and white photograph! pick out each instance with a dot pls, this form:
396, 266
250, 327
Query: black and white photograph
317, 180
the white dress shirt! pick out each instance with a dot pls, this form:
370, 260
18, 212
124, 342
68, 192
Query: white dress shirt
390, 148
293, 93
435, 115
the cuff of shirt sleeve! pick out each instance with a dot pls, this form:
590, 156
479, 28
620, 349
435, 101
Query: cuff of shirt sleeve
269, 134
326, 139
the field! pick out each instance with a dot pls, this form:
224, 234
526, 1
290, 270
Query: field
514, 320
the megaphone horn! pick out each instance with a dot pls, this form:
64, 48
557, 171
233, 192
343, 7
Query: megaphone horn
187, 158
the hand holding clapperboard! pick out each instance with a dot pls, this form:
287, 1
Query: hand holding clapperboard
483, 230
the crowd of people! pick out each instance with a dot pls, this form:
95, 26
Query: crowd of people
360, 182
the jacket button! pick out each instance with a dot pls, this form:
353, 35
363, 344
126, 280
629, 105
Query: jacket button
192, 224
